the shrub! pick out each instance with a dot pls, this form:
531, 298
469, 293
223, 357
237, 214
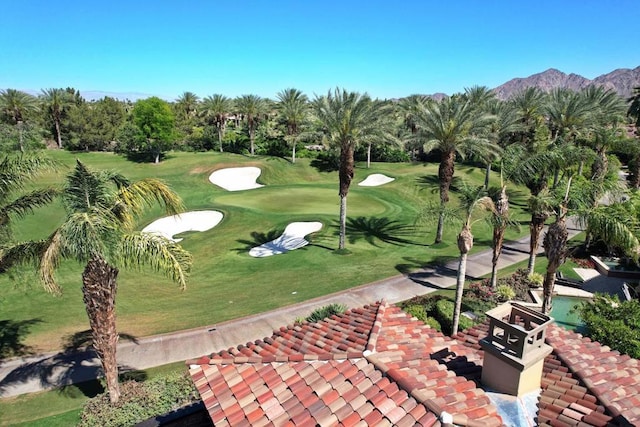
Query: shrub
326, 311
417, 311
433, 323
505, 293
482, 291
444, 315
139, 401
613, 323
536, 278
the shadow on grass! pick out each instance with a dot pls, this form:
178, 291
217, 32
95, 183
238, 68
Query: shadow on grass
432, 183
74, 370
11, 335
379, 229
420, 272
257, 238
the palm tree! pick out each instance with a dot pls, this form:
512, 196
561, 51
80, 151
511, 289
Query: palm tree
252, 107
634, 106
528, 104
15, 173
500, 220
99, 230
16, 106
471, 199
216, 109
349, 119
505, 124
187, 104
293, 108
54, 102
453, 127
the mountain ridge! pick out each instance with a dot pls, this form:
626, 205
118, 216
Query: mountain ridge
621, 80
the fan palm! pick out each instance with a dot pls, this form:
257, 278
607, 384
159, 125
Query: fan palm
452, 126
293, 108
216, 109
252, 108
98, 230
349, 119
16, 106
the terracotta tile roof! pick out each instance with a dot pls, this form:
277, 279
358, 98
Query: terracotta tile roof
582, 382
376, 365
370, 366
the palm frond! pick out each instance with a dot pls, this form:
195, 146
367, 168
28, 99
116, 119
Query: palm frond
27, 203
146, 249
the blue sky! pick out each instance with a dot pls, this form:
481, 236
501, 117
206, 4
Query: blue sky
386, 48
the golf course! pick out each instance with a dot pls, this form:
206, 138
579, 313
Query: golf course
385, 237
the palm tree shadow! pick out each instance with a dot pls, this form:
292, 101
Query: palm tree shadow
379, 229
257, 238
11, 335
73, 369
432, 183
420, 272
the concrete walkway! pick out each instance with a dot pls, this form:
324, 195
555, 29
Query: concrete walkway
31, 374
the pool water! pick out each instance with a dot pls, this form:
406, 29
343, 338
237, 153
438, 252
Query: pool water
561, 312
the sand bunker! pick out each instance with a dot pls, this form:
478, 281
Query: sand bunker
187, 221
376, 179
292, 238
236, 179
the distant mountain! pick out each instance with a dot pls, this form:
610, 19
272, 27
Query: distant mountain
622, 80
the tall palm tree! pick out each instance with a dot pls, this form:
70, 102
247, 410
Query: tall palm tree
500, 220
408, 108
187, 104
55, 101
15, 173
471, 200
98, 230
16, 106
293, 108
529, 103
252, 108
349, 119
634, 105
505, 124
216, 109
452, 126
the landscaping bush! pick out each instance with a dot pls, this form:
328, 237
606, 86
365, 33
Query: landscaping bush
505, 293
326, 311
139, 401
418, 311
536, 278
613, 323
444, 315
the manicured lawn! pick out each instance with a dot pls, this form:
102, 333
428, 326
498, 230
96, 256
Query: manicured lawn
226, 282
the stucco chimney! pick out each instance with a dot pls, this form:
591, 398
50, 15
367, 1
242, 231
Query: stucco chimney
515, 349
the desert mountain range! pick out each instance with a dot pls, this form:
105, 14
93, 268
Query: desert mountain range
622, 80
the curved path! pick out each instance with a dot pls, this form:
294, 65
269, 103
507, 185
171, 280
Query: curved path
26, 375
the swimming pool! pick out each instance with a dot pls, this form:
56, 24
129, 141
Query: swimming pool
561, 312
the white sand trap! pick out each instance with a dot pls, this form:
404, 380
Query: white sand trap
236, 179
292, 238
187, 221
376, 179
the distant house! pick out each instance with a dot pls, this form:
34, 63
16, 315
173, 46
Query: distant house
376, 365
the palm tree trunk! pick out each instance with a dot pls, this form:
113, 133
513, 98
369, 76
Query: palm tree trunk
465, 243
293, 153
502, 211
252, 135
487, 173
445, 176
368, 156
343, 221
99, 295
58, 134
555, 243
220, 132
346, 176
20, 136
535, 229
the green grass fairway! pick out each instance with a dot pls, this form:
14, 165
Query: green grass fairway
226, 282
